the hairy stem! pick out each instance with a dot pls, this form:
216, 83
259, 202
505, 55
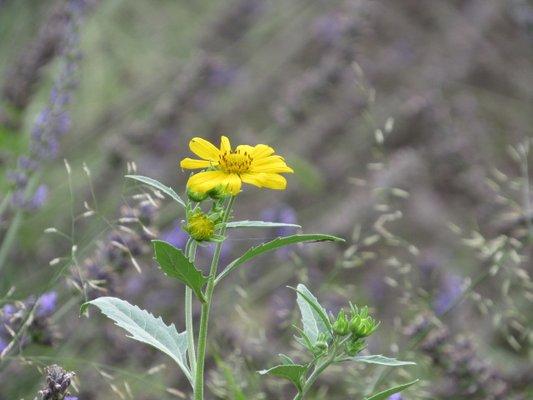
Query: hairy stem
191, 253
204, 317
319, 368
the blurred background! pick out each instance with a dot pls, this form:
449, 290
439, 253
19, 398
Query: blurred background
408, 124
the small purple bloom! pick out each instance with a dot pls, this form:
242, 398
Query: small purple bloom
3, 345
175, 236
46, 304
396, 396
39, 198
448, 292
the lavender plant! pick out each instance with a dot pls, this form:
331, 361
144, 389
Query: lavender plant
211, 195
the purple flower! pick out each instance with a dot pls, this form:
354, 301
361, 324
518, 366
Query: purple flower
448, 292
396, 396
3, 345
176, 236
53, 121
46, 304
39, 197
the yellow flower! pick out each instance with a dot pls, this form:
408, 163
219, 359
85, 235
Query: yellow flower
256, 165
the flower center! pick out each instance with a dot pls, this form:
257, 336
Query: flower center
235, 162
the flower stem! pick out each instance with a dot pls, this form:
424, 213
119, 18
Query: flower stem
204, 317
313, 377
9, 238
191, 253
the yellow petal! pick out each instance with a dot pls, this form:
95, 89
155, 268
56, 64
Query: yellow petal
225, 146
189, 163
272, 164
244, 148
233, 184
205, 181
252, 179
204, 149
274, 181
261, 151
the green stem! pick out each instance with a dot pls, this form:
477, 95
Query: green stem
191, 253
204, 317
10, 237
314, 375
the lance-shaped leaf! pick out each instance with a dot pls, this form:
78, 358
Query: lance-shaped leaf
292, 372
273, 245
259, 224
314, 317
175, 264
381, 360
389, 392
159, 186
144, 327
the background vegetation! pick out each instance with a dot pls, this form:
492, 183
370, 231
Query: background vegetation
408, 124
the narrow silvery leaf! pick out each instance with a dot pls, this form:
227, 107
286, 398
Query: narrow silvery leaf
259, 224
292, 372
175, 264
273, 245
159, 186
388, 392
314, 317
144, 327
381, 360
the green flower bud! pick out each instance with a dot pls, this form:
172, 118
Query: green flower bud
361, 324
219, 192
341, 326
321, 345
354, 346
200, 227
196, 196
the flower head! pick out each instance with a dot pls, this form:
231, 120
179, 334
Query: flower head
256, 165
200, 227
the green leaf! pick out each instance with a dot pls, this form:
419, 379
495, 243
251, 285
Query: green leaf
314, 317
175, 264
146, 328
259, 224
273, 245
292, 372
159, 186
381, 360
388, 392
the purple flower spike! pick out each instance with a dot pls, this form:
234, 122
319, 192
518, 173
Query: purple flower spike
46, 304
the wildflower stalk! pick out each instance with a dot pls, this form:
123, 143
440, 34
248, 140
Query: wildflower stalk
319, 368
204, 317
10, 237
191, 253
15, 223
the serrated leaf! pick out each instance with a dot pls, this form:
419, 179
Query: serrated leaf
388, 392
292, 372
259, 224
314, 317
273, 245
159, 186
145, 328
381, 360
175, 264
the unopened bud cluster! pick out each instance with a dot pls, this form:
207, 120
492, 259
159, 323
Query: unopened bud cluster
358, 325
